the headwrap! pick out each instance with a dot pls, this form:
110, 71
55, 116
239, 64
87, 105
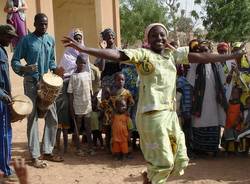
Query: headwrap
206, 43
236, 44
150, 26
223, 46
193, 44
76, 31
106, 31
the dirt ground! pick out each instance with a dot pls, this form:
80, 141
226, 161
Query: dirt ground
102, 169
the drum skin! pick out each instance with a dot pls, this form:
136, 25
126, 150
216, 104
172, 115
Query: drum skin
21, 107
48, 90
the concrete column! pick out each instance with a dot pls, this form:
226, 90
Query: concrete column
108, 16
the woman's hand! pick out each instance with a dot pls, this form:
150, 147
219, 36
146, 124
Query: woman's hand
59, 71
103, 44
15, 9
70, 42
170, 47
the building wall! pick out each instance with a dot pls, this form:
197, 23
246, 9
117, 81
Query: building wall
69, 14
92, 16
34, 7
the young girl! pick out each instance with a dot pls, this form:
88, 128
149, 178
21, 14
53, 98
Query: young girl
118, 90
120, 123
95, 123
161, 138
105, 117
244, 137
79, 90
233, 120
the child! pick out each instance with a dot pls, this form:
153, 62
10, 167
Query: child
118, 91
247, 114
106, 112
79, 90
95, 124
120, 129
62, 104
243, 137
233, 120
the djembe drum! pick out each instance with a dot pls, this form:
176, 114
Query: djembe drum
48, 89
21, 107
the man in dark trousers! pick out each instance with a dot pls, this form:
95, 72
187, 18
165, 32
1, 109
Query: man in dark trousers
7, 33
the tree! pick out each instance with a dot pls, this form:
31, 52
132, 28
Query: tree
173, 7
200, 33
185, 25
178, 22
136, 15
227, 20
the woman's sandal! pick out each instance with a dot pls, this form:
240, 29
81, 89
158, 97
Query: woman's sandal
52, 158
39, 163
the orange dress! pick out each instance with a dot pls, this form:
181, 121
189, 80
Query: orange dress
233, 115
120, 127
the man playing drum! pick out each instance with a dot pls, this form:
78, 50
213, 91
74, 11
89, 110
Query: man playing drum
37, 49
7, 33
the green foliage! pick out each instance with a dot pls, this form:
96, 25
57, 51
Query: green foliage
136, 15
227, 20
199, 33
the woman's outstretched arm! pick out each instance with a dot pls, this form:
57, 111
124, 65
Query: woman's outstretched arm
111, 54
212, 58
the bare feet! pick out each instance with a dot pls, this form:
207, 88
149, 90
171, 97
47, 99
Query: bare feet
145, 178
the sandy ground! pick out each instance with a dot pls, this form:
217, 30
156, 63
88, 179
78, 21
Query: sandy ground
102, 169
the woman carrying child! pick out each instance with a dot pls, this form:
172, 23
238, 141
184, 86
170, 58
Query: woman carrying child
161, 138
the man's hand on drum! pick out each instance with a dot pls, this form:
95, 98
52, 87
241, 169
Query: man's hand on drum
29, 68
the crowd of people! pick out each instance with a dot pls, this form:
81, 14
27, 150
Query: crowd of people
128, 96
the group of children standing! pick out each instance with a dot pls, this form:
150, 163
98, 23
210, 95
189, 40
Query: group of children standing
105, 111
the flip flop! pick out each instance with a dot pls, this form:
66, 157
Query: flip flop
11, 178
52, 158
39, 164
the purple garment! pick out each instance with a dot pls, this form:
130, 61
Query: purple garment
20, 27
